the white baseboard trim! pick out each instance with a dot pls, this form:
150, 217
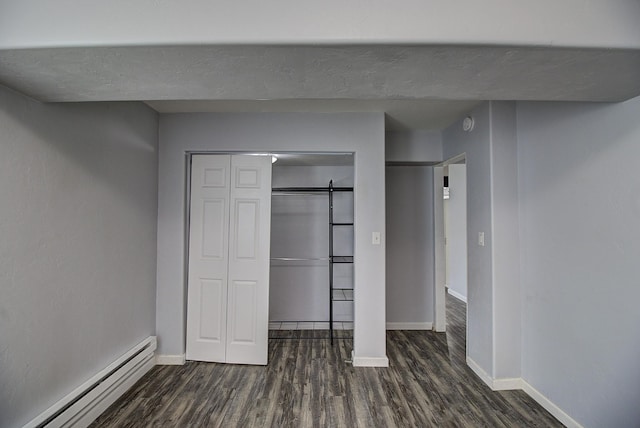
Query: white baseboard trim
369, 361
556, 411
457, 295
507, 383
409, 326
170, 360
484, 376
519, 383
84, 404
500, 384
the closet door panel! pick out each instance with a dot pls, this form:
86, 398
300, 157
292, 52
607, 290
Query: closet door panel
211, 310
249, 248
247, 229
208, 258
214, 229
244, 309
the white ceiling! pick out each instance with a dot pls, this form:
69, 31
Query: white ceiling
419, 87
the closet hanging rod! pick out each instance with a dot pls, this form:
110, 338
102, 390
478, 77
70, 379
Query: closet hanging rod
300, 190
310, 189
299, 259
299, 193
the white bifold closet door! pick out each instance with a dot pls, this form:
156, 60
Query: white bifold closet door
229, 242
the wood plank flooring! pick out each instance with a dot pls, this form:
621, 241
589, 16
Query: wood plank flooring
308, 384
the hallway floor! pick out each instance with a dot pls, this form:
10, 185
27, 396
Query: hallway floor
308, 383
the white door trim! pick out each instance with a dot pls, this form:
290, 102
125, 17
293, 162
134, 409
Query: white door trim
440, 324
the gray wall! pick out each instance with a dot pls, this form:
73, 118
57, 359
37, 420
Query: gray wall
493, 287
413, 146
505, 238
410, 257
361, 133
477, 146
299, 290
579, 191
78, 185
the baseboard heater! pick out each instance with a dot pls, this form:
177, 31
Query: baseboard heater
84, 404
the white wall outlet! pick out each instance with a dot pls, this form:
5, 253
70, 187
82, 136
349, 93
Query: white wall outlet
481, 239
375, 238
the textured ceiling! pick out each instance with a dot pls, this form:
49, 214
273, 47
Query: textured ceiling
420, 87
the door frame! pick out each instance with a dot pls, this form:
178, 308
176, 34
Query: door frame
187, 214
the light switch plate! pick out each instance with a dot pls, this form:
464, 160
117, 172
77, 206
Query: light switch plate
481, 239
375, 238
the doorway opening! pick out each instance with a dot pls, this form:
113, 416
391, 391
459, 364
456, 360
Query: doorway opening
292, 215
455, 221
312, 247
450, 205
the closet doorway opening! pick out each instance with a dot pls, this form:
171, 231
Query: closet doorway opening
311, 293
271, 252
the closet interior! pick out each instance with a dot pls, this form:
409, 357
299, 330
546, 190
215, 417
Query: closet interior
312, 230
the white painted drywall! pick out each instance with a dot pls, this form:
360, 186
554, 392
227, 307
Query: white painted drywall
456, 228
361, 133
299, 290
410, 258
78, 192
413, 146
27, 23
477, 147
579, 193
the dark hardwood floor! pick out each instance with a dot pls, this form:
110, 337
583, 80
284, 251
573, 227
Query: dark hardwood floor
308, 383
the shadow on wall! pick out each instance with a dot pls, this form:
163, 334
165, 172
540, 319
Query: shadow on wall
118, 134
78, 185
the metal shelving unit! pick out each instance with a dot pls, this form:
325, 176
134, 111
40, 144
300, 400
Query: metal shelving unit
335, 294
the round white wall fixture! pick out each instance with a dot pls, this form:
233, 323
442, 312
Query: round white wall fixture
467, 124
